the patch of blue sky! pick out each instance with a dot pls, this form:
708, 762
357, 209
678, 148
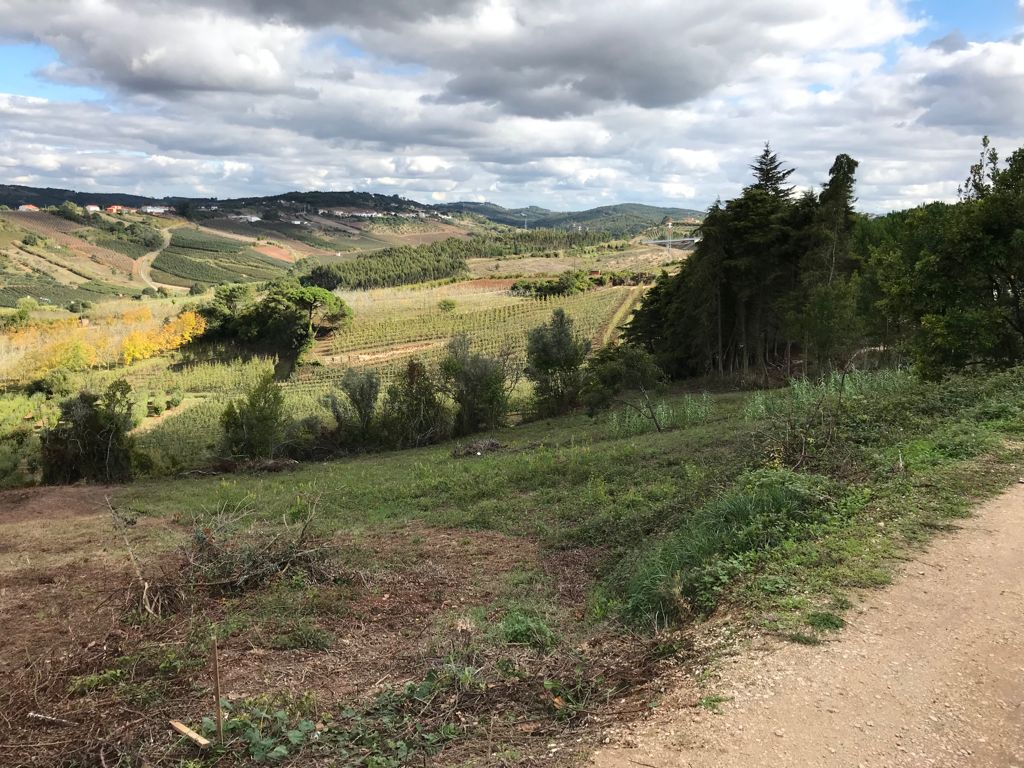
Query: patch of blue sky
349, 49
981, 21
20, 65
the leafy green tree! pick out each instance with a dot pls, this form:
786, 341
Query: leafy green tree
952, 276
355, 415
286, 318
254, 426
555, 356
91, 440
362, 387
480, 386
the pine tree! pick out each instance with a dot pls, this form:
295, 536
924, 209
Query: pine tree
770, 175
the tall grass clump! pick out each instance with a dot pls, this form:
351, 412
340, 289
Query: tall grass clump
687, 571
689, 411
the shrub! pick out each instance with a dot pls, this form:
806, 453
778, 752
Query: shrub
480, 386
56, 383
91, 440
446, 305
413, 410
555, 356
526, 627
362, 389
624, 374
254, 426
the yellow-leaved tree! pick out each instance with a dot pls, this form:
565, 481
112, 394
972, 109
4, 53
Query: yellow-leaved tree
175, 333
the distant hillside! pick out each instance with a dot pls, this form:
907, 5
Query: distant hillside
623, 219
13, 196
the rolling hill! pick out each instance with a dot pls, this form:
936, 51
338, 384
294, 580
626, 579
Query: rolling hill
623, 219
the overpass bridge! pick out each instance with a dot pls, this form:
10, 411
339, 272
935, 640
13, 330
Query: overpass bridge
677, 242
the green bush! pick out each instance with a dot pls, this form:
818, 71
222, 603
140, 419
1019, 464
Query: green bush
91, 440
527, 627
254, 426
414, 413
555, 355
480, 386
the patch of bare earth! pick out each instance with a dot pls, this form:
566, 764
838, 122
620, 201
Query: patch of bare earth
275, 252
393, 613
927, 673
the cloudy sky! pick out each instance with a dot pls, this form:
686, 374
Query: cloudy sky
560, 103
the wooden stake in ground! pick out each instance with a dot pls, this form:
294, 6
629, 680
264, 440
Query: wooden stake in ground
216, 693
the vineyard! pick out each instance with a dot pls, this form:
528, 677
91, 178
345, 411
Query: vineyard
58, 231
259, 230
391, 327
198, 257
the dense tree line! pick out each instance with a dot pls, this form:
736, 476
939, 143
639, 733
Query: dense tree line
441, 260
772, 279
802, 285
391, 266
949, 278
521, 242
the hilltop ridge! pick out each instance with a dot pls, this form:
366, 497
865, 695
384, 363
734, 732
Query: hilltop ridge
619, 219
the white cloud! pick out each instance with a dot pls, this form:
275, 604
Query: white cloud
562, 103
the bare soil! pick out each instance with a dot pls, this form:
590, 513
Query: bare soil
275, 252
396, 613
929, 672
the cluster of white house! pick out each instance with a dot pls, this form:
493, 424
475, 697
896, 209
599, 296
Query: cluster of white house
159, 210
156, 210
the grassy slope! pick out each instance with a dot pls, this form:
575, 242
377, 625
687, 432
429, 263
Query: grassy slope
902, 462
501, 585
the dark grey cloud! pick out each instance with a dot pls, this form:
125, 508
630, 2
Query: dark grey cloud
323, 13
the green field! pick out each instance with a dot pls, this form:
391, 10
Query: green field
197, 257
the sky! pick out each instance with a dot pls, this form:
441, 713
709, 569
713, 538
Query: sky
565, 104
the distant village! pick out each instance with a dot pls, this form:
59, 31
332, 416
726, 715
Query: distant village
343, 213
156, 210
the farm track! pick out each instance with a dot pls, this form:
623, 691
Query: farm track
929, 672
144, 264
628, 303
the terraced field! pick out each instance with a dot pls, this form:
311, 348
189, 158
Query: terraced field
198, 257
59, 231
254, 231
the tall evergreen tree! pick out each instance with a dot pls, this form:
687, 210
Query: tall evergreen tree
769, 175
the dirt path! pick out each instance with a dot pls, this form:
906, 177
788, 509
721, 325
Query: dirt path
144, 264
928, 673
